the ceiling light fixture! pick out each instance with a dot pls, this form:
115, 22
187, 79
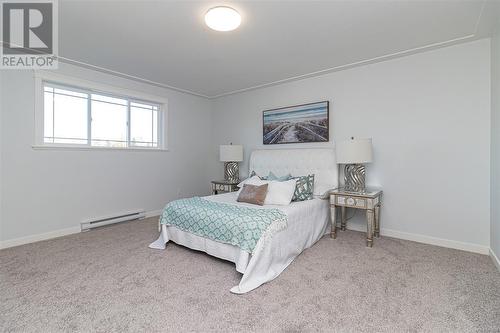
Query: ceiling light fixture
222, 18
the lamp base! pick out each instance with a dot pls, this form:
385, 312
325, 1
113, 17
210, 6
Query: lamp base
354, 178
231, 172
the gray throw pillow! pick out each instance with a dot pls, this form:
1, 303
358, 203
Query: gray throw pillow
253, 173
253, 194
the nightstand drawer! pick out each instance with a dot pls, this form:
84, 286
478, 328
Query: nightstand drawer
222, 187
348, 201
219, 187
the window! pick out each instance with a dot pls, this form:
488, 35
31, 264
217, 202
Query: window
82, 117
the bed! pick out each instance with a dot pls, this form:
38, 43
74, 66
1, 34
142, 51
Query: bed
307, 221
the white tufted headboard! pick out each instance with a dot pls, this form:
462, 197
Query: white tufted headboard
299, 162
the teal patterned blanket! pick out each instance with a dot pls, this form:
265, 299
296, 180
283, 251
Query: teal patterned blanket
226, 223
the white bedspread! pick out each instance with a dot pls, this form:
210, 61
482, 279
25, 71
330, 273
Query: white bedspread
307, 223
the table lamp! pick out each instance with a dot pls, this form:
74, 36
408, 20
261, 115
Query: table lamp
231, 155
354, 153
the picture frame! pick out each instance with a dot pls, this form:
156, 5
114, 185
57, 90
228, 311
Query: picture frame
303, 123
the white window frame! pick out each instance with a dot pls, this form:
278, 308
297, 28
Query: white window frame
68, 82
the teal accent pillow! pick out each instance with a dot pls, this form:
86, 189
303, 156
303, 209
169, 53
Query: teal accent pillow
272, 176
304, 188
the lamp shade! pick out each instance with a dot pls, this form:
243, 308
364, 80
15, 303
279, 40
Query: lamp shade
231, 153
354, 151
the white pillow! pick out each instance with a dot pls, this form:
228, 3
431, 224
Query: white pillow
280, 193
255, 180
251, 181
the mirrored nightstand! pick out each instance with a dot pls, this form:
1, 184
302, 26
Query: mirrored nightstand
223, 186
369, 201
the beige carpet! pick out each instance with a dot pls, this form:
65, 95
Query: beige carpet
108, 280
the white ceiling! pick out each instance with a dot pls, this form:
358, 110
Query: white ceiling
168, 43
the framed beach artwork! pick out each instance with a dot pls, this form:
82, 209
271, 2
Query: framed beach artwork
296, 124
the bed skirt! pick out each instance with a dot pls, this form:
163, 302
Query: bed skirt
308, 221
219, 250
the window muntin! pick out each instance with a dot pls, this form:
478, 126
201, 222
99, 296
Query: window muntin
74, 116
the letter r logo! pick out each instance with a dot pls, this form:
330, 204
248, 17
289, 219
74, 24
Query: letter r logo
27, 27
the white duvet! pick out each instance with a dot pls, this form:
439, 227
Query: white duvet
307, 223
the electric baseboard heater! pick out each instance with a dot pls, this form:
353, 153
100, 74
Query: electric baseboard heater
112, 219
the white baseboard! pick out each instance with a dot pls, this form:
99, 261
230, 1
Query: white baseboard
495, 259
427, 239
39, 237
384, 232
154, 213
53, 234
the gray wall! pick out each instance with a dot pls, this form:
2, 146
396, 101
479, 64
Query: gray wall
428, 114
49, 190
495, 144
429, 117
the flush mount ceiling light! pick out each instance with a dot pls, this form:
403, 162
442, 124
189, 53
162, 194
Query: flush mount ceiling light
222, 18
